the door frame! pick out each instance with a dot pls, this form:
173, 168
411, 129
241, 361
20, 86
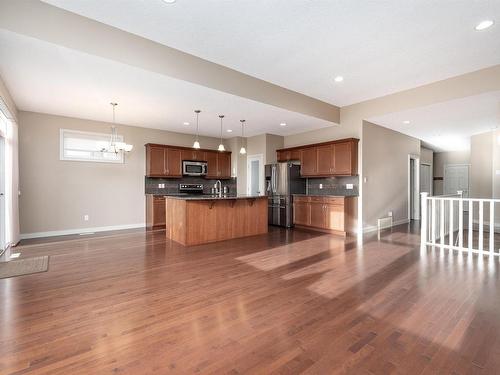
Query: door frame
457, 165
3, 203
416, 197
431, 178
260, 159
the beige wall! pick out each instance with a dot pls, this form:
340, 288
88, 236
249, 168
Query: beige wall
443, 158
5, 95
481, 169
56, 194
238, 163
426, 156
385, 167
273, 143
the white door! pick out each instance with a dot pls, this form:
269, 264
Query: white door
456, 177
425, 178
255, 174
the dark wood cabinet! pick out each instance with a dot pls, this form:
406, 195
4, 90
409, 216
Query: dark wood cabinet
334, 158
308, 162
318, 216
301, 213
288, 155
344, 158
336, 215
193, 155
324, 155
155, 212
173, 163
224, 164
212, 171
155, 161
218, 164
166, 161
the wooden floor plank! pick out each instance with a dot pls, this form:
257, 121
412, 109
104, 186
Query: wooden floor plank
286, 302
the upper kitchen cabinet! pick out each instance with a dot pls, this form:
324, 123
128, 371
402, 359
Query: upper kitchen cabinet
166, 161
218, 164
155, 161
163, 161
288, 155
173, 162
335, 158
212, 171
308, 161
193, 155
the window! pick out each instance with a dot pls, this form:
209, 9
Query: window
85, 146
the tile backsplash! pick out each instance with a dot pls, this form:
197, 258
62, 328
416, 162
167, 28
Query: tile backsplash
333, 186
172, 184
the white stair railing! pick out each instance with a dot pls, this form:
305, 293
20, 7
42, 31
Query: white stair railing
443, 216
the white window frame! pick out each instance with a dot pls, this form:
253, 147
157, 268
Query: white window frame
104, 135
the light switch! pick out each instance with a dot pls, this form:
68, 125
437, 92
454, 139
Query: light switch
349, 186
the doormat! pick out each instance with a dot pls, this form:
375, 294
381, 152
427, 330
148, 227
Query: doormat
24, 266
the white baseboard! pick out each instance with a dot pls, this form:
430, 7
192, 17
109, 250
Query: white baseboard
374, 228
66, 232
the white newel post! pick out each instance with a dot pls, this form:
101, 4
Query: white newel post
423, 221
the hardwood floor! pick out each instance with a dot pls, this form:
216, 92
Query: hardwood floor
286, 302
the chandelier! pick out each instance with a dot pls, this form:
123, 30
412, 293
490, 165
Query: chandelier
116, 146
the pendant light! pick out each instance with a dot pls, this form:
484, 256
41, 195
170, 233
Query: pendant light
114, 145
243, 151
221, 146
196, 143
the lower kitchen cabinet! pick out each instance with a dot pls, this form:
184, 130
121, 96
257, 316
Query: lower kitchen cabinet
155, 212
336, 215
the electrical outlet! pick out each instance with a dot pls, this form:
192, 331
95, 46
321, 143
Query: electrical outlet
389, 214
86, 217
321, 186
349, 186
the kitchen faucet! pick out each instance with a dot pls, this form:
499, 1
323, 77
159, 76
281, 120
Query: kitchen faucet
218, 188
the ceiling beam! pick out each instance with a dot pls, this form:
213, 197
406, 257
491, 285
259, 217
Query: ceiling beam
45, 22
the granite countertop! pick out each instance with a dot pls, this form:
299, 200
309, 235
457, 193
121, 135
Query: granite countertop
202, 197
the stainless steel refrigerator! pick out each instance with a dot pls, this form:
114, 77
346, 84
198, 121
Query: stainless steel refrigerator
282, 180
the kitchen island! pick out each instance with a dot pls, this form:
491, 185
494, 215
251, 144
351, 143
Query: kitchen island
195, 220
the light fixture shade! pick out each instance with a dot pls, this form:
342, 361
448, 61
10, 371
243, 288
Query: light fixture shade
243, 151
128, 147
196, 144
221, 147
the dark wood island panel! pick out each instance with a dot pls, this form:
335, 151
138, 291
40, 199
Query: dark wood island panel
194, 222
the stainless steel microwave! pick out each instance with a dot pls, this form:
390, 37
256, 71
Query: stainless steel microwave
194, 168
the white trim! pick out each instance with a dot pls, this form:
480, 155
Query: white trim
260, 159
416, 203
374, 228
66, 232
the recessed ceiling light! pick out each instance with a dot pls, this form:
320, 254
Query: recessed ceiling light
186, 123
338, 79
283, 124
406, 122
169, 1
483, 25
229, 130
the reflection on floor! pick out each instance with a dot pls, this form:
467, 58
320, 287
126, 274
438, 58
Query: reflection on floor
286, 302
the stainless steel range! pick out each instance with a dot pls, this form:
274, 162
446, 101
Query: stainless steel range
191, 188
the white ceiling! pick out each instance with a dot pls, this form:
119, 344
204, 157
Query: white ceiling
43, 77
447, 126
380, 47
